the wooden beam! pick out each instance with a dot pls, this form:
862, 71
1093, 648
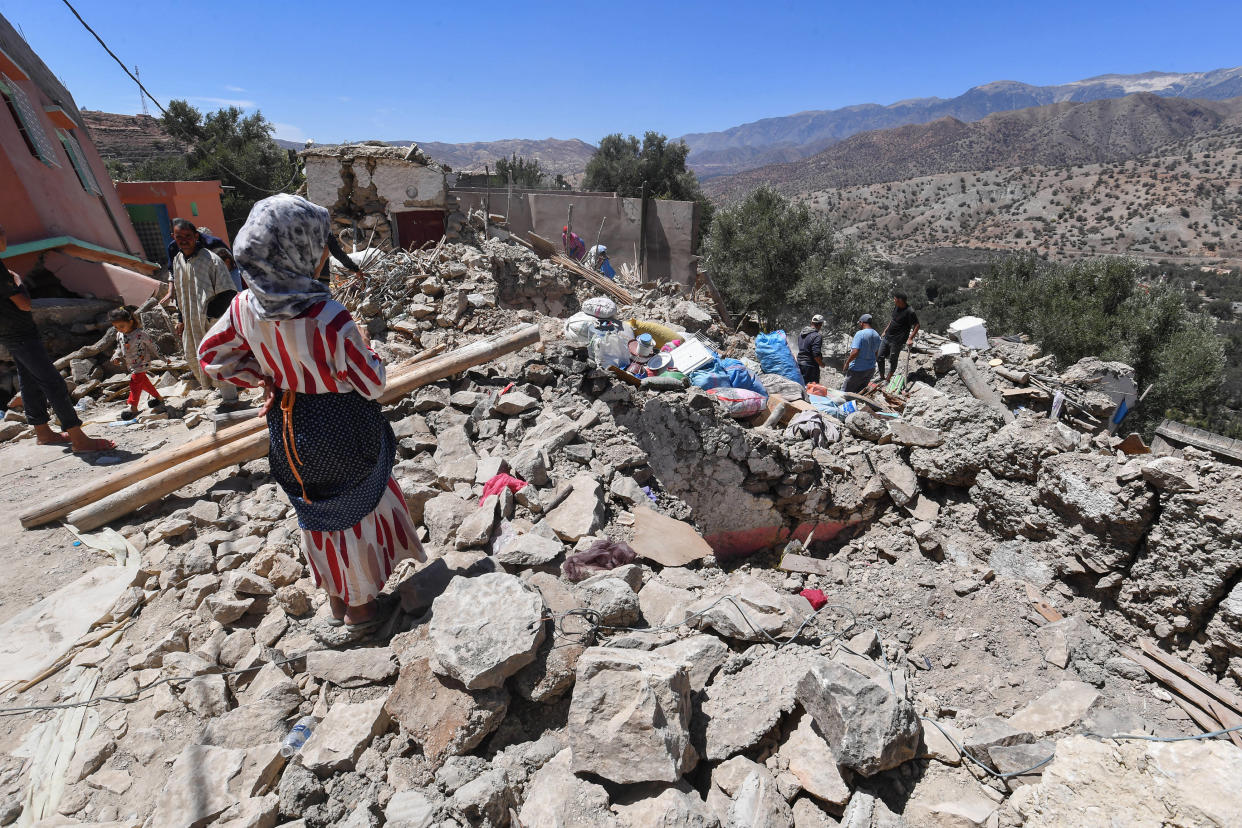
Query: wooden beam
1202, 719
979, 388
165, 465
1191, 693
1196, 677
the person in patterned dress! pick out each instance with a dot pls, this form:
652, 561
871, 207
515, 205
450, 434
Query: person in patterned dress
331, 449
135, 350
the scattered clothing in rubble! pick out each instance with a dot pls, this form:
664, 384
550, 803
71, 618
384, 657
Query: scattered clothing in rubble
332, 450
602, 556
811, 425
816, 597
498, 483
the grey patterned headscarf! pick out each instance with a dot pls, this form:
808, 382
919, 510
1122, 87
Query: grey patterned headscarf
277, 249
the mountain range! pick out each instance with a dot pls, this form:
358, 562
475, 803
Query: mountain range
788, 138
1058, 134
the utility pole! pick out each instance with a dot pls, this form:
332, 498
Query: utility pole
142, 96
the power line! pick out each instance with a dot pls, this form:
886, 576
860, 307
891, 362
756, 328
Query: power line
124, 68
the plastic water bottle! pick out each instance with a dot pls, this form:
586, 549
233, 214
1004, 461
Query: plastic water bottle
297, 736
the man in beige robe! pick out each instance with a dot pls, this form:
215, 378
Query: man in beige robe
198, 276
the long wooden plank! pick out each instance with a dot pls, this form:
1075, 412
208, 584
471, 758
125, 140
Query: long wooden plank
1228, 718
1202, 719
254, 446
979, 388
1193, 675
1173, 680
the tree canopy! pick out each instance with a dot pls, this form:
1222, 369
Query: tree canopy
782, 260
1102, 307
228, 145
526, 172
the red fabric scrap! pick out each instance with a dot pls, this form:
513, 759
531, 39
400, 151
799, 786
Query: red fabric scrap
498, 484
815, 596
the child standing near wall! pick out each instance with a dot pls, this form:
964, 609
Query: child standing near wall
135, 349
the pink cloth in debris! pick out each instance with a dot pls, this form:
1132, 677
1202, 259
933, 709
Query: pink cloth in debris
498, 484
815, 596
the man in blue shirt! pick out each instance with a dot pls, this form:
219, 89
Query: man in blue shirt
860, 364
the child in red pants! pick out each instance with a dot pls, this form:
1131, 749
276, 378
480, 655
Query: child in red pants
136, 350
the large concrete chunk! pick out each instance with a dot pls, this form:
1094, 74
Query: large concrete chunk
552, 671
699, 654
747, 609
870, 729
343, 734
758, 804
581, 513
899, 480
487, 628
197, 789
629, 719
556, 798
811, 761
1140, 784
677, 806
439, 714
1062, 706
740, 708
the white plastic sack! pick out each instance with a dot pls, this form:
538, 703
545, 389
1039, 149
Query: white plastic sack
611, 349
579, 328
601, 307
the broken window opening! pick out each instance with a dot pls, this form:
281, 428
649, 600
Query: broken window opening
78, 159
27, 120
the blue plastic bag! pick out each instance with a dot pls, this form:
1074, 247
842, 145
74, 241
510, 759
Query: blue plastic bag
710, 375
776, 358
739, 377
824, 405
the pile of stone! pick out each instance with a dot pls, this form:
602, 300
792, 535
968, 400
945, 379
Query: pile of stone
696, 684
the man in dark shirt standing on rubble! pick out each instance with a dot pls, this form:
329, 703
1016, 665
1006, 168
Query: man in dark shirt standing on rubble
902, 327
811, 349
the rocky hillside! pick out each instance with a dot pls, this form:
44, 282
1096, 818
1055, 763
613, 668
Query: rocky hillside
1182, 203
1059, 134
130, 139
777, 140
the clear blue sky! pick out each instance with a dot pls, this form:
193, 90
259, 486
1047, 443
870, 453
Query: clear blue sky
476, 71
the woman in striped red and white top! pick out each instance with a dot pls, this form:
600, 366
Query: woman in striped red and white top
332, 450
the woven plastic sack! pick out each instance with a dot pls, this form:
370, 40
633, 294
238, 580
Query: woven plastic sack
739, 377
578, 328
601, 307
710, 376
775, 356
609, 349
739, 402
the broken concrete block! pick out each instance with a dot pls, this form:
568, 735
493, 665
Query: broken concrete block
629, 719
197, 788
206, 696
677, 805
411, 809
558, 797
485, 629
1171, 474
352, 668
1014, 758
612, 598
699, 654
811, 760
990, 732
340, 738
90, 756
1059, 708
739, 709
870, 729
581, 513
951, 796
514, 403
899, 480
909, 434
552, 671
442, 515
758, 803
528, 549
444, 718
766, 610
662, 603
476, 530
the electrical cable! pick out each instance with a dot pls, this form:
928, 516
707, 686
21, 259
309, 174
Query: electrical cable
134, 78
124, 68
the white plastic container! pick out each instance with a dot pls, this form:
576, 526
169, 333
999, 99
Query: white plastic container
972, 332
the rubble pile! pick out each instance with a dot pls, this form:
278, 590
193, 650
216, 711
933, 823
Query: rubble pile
640, 631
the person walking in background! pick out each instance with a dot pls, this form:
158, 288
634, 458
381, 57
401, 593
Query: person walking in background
135, 350
860, 364
200, 282
37, 377
332, 450
574, 246
811, 350
899, 333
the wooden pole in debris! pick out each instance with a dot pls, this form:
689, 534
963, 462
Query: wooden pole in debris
642, 236
93, 508
978, 386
